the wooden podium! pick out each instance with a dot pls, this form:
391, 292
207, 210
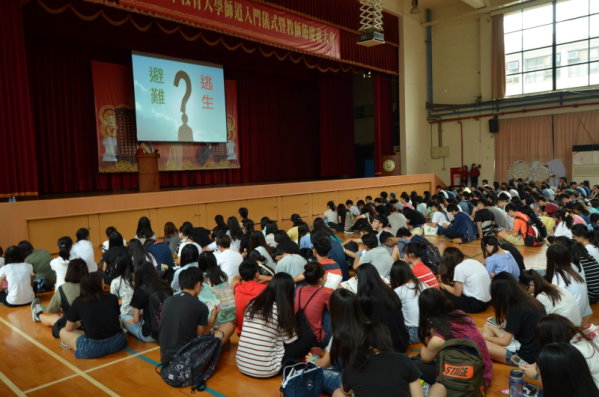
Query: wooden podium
147, 165
391, 165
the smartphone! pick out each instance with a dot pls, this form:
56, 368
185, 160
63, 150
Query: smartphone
530, 389
518, 361
493, 322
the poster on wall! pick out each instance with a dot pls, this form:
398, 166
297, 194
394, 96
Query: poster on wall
116, 129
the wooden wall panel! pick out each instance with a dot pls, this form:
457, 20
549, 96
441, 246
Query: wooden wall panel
320, 200
125, 222
226, 209
44, 233
258, 208
177, 215
299, 204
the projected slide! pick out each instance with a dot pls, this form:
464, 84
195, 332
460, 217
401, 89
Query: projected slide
177, 101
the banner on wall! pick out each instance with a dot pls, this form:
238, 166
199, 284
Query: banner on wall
246, 19
116, 130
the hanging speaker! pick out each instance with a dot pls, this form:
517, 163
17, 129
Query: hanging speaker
494, 125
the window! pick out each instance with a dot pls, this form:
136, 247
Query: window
552, 46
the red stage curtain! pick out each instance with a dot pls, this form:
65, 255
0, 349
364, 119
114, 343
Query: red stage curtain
337, 154
18, 173
383, 113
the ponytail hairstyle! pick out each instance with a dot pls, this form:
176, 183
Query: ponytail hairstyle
296, 219
540, 285
331, 205
64, 247
564, 216
581, 231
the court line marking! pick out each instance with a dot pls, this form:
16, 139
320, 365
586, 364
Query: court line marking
133, 355
156, 364
61, 360
14, 388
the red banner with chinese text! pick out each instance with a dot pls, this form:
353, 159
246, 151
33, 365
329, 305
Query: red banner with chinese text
248, 20
117, 135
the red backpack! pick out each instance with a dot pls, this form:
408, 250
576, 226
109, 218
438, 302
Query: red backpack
533, 237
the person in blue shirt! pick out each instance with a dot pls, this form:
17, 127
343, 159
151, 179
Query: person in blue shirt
462, 229
498, 260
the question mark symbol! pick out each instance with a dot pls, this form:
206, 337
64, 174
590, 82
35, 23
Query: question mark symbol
181, 75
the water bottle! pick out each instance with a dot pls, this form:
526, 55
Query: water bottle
516, 383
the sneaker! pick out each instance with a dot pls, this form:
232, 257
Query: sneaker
65, 346
36, 310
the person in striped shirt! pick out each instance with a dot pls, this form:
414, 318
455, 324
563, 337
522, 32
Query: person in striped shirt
269, 335
413, 251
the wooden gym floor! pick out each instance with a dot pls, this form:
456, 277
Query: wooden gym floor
32, 362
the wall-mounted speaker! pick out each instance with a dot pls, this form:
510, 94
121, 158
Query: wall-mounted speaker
494, 125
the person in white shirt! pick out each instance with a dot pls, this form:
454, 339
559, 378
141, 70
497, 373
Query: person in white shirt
466, 282
60, 264
190, 255
83, 249
227, 259
18, 276
585, 237
556, 299
355, 211
561, 273
330, 215
408, 287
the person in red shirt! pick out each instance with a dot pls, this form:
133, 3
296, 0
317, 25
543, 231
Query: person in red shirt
314, 301
246, 290
474, 174
420, 270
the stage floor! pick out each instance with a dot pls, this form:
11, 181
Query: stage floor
33, 363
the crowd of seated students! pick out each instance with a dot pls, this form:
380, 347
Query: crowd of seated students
254, 278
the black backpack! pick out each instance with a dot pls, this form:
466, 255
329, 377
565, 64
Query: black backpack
431, 257
156, 301
193, 363
461, 368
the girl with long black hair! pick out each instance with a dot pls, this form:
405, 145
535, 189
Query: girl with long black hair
60, 264
573, 379
560, 272
555, 299
98, 313
408, 288
122, 285
439, 321
520, 312
234, 231
382, 305
144, 230
269, 336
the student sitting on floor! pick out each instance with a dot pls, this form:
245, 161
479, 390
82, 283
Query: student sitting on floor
555, 299
554, 328
516, 235
98, 314
269, 336
122, 285
377, 370
70, 289
413, 255
517, 314
84, 249
573, 379
439, 322
189, 258
561, 272
216, 288
149, 294
40, 259
183, 316
497, 259
462, 229
18, 276
60, 264
382, 305
373, 254
465, 281
246, 290
313, 300
407, 286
